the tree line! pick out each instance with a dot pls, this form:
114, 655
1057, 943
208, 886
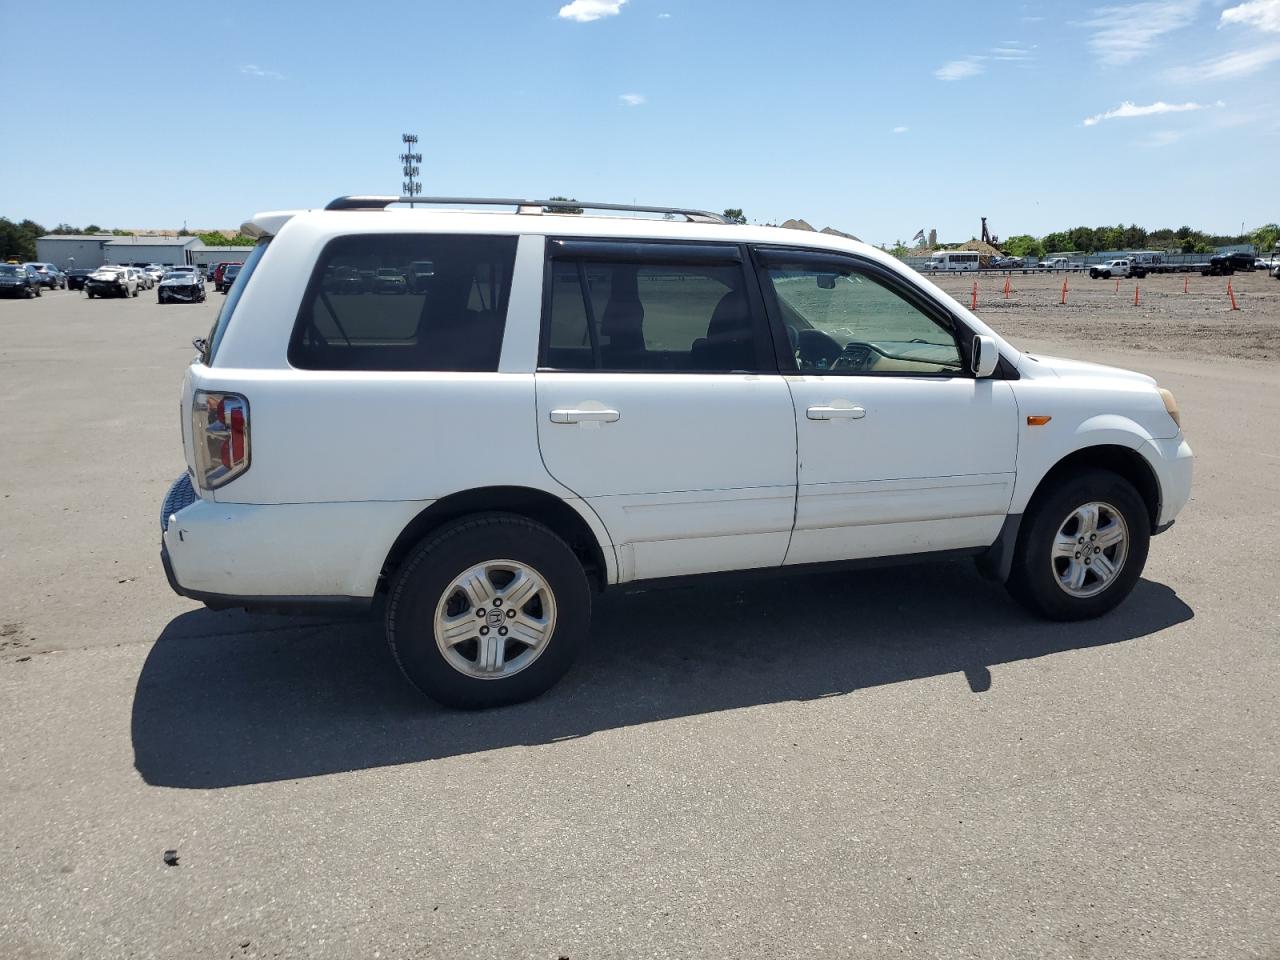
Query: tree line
18, 240
1089, 240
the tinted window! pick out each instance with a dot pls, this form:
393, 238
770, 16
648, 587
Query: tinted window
841, 320
372, 306
634, 316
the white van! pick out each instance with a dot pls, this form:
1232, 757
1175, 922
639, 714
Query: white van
954, 261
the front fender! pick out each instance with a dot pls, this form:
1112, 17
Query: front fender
1040, 449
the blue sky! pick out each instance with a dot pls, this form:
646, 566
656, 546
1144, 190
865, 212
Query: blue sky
876, 118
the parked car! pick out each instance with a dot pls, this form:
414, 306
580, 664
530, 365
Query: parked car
389, 280
1227, 264
221, 284
111, 281
229, 276
650, 428
181, 285
1117, 268
76, 278
50, 275
1007, 263
1275, 271
144, 279
20, 280
155, 271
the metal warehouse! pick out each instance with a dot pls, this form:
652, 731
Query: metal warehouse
202, 256
163, 250
70, 250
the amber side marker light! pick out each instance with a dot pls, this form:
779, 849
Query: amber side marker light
1038, 421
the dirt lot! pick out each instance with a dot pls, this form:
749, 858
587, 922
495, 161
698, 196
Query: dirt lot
897, 763
1198, 323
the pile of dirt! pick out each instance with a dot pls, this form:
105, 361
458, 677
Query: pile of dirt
804, 225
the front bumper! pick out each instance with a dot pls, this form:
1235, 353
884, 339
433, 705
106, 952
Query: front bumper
1172, 461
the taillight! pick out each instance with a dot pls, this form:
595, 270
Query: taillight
220, 434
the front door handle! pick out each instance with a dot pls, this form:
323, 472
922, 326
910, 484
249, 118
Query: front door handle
837, 410
584, 416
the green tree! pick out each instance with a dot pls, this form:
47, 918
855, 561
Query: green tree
899, 249
93, 228
563, 209
216, 239
735, 215
1024, 245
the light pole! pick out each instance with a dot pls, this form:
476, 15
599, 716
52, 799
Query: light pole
410, 160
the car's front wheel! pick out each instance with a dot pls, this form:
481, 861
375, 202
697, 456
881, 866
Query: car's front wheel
1082, 547
491, 610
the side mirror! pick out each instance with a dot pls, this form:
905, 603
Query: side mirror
826, 281
985, 357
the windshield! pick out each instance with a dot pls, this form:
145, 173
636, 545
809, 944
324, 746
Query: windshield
9, 270
231, 271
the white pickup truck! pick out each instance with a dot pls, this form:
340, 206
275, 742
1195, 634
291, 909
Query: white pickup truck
1117, 268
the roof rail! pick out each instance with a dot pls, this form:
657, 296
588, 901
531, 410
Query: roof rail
522, 206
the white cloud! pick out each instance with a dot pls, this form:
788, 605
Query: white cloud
1241, 63
1130, 109
1122, 34
584, 11
959, 69
901, 129
632, 99
1263, 14
664, 16
253, 70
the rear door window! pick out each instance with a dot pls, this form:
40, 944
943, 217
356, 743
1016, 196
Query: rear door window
656, 310
406, 302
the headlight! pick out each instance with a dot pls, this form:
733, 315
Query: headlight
1171, 405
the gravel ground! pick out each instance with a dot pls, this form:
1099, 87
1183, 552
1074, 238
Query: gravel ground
1199, 322
896, 763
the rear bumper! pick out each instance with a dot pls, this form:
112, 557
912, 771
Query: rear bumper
291, 557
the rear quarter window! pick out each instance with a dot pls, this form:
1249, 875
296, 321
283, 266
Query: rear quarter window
419, 302
233, 299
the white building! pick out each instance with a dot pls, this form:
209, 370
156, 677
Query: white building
202, 256
162, 250
69, 250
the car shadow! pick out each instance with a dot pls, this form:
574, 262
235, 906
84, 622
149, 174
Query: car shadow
227, 698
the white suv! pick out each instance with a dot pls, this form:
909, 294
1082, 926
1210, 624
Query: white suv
565, 403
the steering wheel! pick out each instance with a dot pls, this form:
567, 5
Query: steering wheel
856, 355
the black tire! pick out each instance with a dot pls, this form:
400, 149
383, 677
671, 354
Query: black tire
1033, 582
419, 586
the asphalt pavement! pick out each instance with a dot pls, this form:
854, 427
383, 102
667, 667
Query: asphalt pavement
878, 764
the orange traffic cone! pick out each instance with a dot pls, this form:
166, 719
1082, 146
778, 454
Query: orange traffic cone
1185, 282
1232, 294
1064, 289
1117, 284
1007, 288
1136, 299
973, 305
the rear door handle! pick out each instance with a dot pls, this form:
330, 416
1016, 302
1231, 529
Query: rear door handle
837, 410
584, 416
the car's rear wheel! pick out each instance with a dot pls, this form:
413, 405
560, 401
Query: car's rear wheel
491, 610
1082, 547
